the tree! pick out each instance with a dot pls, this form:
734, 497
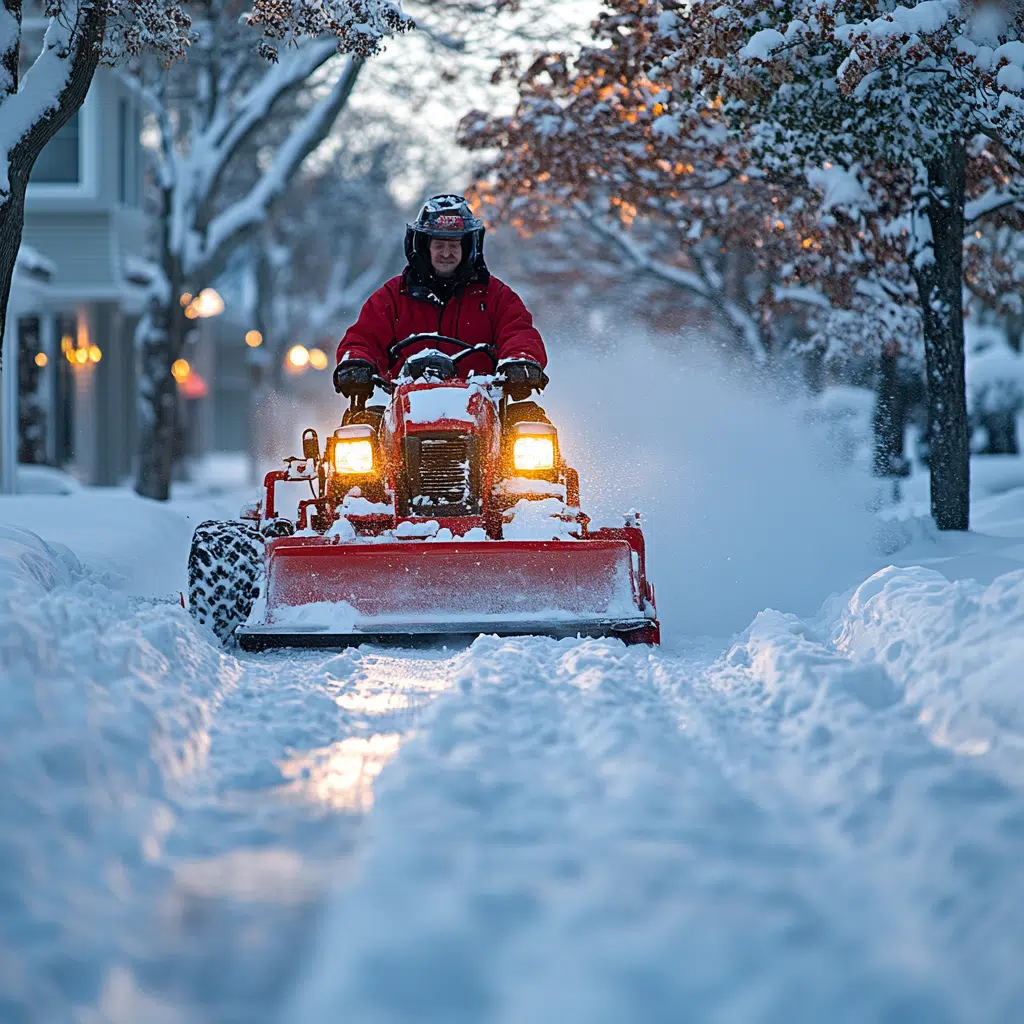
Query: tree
907, 88
685, 99
82, 33
232, 130
588, 139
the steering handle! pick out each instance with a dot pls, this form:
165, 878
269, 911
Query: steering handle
482, 349
415, 339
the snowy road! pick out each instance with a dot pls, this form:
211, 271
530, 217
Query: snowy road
820, 819
781, 831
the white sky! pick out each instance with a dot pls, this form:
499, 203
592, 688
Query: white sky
406, 82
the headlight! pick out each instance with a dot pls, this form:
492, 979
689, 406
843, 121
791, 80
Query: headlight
534, 453
353, 457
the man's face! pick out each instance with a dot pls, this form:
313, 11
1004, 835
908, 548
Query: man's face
445, 255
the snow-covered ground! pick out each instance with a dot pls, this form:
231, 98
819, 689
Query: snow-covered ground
807, 806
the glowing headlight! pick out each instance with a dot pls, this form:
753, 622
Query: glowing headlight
533, 453
353, 457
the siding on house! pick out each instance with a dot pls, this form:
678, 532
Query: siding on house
84, 212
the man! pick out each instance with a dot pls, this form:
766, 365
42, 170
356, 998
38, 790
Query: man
446, 289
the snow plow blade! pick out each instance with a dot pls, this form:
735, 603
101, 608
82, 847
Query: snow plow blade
324, 594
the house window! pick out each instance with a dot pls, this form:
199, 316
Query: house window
60, 161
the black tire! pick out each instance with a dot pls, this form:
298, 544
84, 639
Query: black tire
225, 575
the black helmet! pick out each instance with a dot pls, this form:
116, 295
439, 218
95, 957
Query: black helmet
447, 216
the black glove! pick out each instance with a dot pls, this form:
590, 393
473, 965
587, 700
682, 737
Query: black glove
522, 377
354, 377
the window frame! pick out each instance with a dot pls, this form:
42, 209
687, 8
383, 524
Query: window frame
88, 155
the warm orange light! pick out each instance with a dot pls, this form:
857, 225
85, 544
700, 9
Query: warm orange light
95, 355
807, 243
67, 343
191, 312
254, 339
318, 359
298, 357
180, 370
40, 359
208, 303
186, 298
81, 356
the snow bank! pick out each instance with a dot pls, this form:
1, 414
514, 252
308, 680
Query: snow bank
137, 546
955, 650
105, 703
29, 567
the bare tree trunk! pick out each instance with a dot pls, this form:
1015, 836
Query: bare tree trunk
1015, 330
940, 285
12, 223
31, 412
890, 419
160, 341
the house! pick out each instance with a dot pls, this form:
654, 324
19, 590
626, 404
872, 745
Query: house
84, 217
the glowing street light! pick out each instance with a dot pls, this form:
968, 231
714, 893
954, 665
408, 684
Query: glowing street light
40, 359
318, 359
180, 370
298, 358
253, 339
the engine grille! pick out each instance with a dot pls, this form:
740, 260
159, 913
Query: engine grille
442, 475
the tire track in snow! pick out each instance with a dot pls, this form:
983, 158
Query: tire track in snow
267, 824
584, 832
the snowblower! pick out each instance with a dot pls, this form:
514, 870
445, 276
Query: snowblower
447, 513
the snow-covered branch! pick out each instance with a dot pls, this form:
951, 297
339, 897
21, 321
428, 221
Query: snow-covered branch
697, 284
233, 123
64, 66
343, 295
993, 200
230, 226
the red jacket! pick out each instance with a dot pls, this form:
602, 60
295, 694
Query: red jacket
480, 312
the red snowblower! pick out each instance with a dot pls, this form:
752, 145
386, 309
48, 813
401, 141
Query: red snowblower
448, 513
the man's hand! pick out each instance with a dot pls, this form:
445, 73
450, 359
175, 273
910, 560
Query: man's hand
354, 377
522, 377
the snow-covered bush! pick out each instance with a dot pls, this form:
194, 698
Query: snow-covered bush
995, 387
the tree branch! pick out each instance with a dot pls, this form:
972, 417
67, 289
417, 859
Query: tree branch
741, 322
230, 226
